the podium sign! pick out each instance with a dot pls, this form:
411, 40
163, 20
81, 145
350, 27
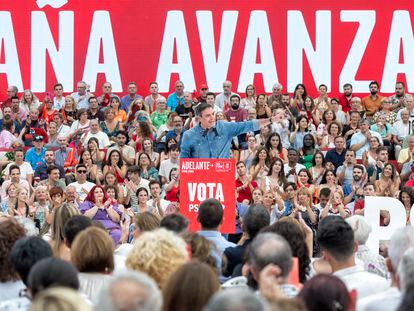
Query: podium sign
201, 179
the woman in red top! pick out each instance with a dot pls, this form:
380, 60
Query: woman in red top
47, 110
309, 109
142, 131
116, 165
305, 180
172, 188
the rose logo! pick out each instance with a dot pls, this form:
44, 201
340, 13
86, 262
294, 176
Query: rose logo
53, 3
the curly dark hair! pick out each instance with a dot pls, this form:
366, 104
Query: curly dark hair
10, 232
291, 231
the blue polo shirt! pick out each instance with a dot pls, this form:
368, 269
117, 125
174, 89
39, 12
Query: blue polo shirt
35, 159
172, 101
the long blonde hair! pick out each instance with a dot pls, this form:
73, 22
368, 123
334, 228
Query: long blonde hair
60, 216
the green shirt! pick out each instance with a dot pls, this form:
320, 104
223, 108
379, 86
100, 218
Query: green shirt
159, 119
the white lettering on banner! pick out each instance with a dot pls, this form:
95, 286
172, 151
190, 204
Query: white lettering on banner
258, 32
203, 191
62, 59
298, 41
11, 66
175, 32
401, 32
101, 31
216, 64
366, 20
192, 166
53, 3
216, 68
373, 207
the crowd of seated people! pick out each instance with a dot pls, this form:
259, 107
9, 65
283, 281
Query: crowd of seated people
96, 178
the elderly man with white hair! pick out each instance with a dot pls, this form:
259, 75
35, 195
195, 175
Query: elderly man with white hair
130, 291
389, 300
373, 263
275, 99
223, 99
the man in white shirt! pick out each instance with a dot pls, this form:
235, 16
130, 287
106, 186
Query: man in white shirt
336, 239
400, 130
81, 96
292, 168
81, 185
96, 132
167, 165
62, 129
223, 99
360, 140
58, 99
157, 202
389, 300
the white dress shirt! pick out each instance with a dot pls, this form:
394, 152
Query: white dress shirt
365, 283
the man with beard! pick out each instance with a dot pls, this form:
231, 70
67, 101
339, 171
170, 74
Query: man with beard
286, 104
397, 100
177, 131
19, 113
235, 113
345, 99
358, 181
372, 102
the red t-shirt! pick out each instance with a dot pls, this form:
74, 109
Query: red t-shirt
345, 103
172, 194
409, 183
244, 194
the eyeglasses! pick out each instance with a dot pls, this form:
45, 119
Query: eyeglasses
82, 172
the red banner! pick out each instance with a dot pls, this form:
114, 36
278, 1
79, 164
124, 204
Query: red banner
202, 179
205, 41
